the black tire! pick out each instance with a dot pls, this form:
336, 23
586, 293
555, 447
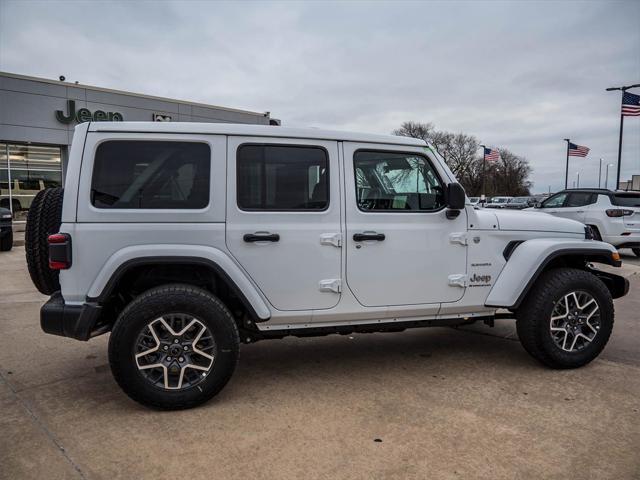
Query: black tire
636, 251
6, 243
159, 302
533, 318
43, 219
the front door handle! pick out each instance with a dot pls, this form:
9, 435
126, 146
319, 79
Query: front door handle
361, 237
261, 237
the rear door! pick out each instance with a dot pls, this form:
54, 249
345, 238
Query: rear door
283, 218
576, 205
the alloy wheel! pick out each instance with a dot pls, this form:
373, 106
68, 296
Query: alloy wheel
175, 351
575, 321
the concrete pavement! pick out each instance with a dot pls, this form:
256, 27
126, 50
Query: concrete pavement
431, 403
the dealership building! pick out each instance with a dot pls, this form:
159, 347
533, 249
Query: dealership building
38, 116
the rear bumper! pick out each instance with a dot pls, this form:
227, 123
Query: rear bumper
623, 241
5, 230
74, 321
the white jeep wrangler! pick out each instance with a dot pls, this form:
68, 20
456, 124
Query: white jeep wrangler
184, 240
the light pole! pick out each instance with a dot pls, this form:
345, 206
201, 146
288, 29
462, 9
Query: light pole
600, 173
622, 89
606, 177
578, 184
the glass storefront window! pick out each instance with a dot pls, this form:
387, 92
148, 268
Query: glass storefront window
27, 170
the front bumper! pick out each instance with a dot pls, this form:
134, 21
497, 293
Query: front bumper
5, 230
75, 321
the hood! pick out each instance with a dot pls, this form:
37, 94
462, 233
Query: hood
527, 220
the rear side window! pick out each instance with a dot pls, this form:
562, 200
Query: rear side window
391, 181
151, 175
626, 199
282, 178
580, 199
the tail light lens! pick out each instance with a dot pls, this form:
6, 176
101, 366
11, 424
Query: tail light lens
59, 251
618, 212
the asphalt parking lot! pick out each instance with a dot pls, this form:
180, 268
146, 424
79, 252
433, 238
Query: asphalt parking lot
430, 403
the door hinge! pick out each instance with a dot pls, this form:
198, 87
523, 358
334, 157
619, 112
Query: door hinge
458, 280
460, 238
331, 285
334, 239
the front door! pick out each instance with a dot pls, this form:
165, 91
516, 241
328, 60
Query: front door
401, 247
283, 219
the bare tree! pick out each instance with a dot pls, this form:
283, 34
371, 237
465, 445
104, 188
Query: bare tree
509, 176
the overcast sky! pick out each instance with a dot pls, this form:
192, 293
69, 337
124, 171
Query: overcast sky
521, 75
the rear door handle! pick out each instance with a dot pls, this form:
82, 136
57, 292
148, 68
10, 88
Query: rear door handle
261, 237
361, 237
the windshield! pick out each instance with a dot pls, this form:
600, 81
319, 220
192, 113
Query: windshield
519, 200
500, 200
627, 199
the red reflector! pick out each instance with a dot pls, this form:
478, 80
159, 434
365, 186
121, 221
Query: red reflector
58, 265
57, 238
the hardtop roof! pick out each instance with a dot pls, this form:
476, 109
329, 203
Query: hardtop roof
250, 130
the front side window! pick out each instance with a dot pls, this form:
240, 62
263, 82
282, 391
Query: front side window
555, 201
389, 181
132, 174
282, 178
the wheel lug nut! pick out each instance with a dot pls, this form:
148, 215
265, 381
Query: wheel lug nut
181, 359
168, 359
185, 348
166, 348
175, 340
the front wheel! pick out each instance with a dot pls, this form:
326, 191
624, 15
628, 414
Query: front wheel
566, 319
174, 347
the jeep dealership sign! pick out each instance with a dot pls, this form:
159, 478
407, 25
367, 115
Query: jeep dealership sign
85, 115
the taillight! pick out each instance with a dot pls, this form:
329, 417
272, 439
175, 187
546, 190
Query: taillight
619, 212
59, 251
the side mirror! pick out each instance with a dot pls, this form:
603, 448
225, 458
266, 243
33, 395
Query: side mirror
538, 205
454, 196
454, 199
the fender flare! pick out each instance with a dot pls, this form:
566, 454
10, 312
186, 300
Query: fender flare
125, 259
512, 285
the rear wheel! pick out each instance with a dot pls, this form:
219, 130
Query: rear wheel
43, 219
566, 319
174, 347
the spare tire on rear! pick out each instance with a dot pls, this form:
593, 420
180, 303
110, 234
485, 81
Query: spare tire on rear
43, 219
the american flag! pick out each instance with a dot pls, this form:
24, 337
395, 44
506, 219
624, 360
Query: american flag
491, 155
577, 150
630, 104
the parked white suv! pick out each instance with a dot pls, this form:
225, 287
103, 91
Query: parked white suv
613, 216
184, 240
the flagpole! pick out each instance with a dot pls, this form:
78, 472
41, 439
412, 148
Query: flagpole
484, 170
622, 89
619, 147
566, 172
